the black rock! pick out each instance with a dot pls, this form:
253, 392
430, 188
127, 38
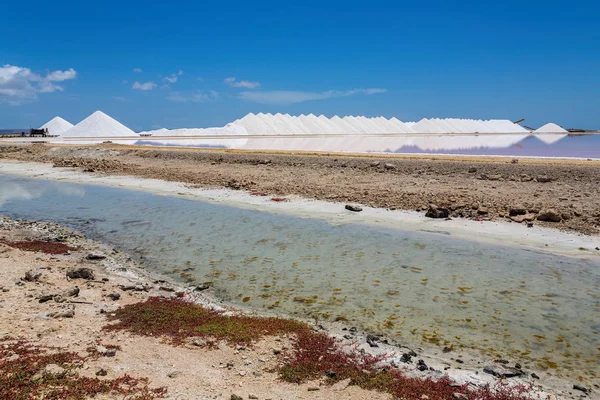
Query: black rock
581, 389
80, 273
95, 256
437, 212
406, 358
114, 296
502, 371
46, 298
534, 375
372, 340
421, 366
101, 372
330, 374
354, 208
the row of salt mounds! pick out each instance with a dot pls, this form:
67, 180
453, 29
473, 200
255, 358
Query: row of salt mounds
99, 125
548, 133
457, 125
193, 137
282, 124
57, 126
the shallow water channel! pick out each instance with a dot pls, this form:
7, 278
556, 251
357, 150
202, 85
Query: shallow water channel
420, 287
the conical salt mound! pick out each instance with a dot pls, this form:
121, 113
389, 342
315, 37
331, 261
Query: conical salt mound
551, 128
57, 126
99, 125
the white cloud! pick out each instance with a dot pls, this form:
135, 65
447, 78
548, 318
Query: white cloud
286, 97
196, 97
121, 99
20, 85
241, 84
144, 86
171, 78
137, 70
180, 73
60, 76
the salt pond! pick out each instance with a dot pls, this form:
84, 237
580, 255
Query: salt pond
429, 289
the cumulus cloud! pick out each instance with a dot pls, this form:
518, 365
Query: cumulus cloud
286, 97
144, 86
196, 97
19, 85
241, 84
137, 70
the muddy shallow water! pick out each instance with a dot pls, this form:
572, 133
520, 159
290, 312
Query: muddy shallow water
425, 288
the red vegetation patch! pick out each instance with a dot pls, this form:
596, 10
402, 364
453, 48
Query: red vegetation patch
24, 375
278, 199
178, 319
39, 245
313, 355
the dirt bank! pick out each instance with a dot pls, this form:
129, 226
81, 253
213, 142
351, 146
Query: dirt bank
558, 193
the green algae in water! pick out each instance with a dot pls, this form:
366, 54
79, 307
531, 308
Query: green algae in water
441, 291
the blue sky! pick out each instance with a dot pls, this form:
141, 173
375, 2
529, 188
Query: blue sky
194, 64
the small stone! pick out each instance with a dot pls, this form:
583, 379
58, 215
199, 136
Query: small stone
482, 211
32, 276
437, 212
372, 340
352, 207
95, 256
461, 396
253, 396
173, 374
199, 342
276, 351
375, 164
114, 296
549, 215
242, 373
447, 349
201, 288
101, 372
110, 352
472, 170
581, 389
74, 292
236, 397
80, 273
46, 298
502, 371
313, 389
257, 374
517, 210
543, 179
389, 166
65, 314
534, 375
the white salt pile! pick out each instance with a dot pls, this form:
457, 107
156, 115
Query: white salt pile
278, 124
99, 125
57, 126
205, 137
550, 128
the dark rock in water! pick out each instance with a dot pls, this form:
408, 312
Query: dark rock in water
406, 358
534, 375
80, 273
549, 215
437, 212
421, 366
502, 371
581, 389
351, 207
201, 288
95, 256
372, 340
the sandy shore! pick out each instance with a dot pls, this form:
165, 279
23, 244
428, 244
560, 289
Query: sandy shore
477, 188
